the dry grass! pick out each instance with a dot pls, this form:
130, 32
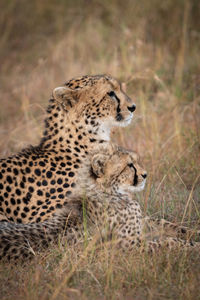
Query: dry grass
153, 46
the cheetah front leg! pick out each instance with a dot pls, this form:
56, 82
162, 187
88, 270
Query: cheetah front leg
162, 227
123, 220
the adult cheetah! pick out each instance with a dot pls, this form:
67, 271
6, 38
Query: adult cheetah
36, 181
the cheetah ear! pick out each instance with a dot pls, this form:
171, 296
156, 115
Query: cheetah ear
65, 96
60, 93
98, 164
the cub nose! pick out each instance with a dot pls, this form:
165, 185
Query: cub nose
144, 175
131, 108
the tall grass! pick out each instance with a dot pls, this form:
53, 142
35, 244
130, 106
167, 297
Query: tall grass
153, 46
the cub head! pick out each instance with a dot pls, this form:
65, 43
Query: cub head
99, 100
118, 171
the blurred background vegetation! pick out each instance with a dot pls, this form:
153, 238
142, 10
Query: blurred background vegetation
153, 46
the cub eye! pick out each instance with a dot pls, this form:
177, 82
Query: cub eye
112, 94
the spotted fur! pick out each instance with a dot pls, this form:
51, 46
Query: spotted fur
104, 201
106, 182
38, 180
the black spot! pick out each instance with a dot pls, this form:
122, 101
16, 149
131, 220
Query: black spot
68, 193
40, 193
66, 185
44, 206
12, 200
49, 174
9, 179
28, 170
37, 172
1, 186
8, 210
21, 184
8, 189
31, 180
26, 209
59, 190
23, 215
58, 205
52, 191
92, 140
18, 192
15, 213
77, 149
59, 181
71, 174
31, 189
73, 185
42, 164
34, 213
44, 182
39, 202
5, 195
61, 196
53, 182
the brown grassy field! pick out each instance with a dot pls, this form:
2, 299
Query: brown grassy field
153, 46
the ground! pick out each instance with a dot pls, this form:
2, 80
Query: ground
158, 60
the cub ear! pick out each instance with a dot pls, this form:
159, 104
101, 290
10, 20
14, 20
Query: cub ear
65, 96
98, 163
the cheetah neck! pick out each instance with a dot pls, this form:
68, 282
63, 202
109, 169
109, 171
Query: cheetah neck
64, 130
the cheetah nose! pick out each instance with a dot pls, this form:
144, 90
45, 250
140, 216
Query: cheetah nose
144, 175
131, 108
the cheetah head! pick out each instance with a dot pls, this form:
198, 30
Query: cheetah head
118, 171
99, 100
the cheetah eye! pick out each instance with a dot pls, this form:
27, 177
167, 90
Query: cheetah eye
112, 95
